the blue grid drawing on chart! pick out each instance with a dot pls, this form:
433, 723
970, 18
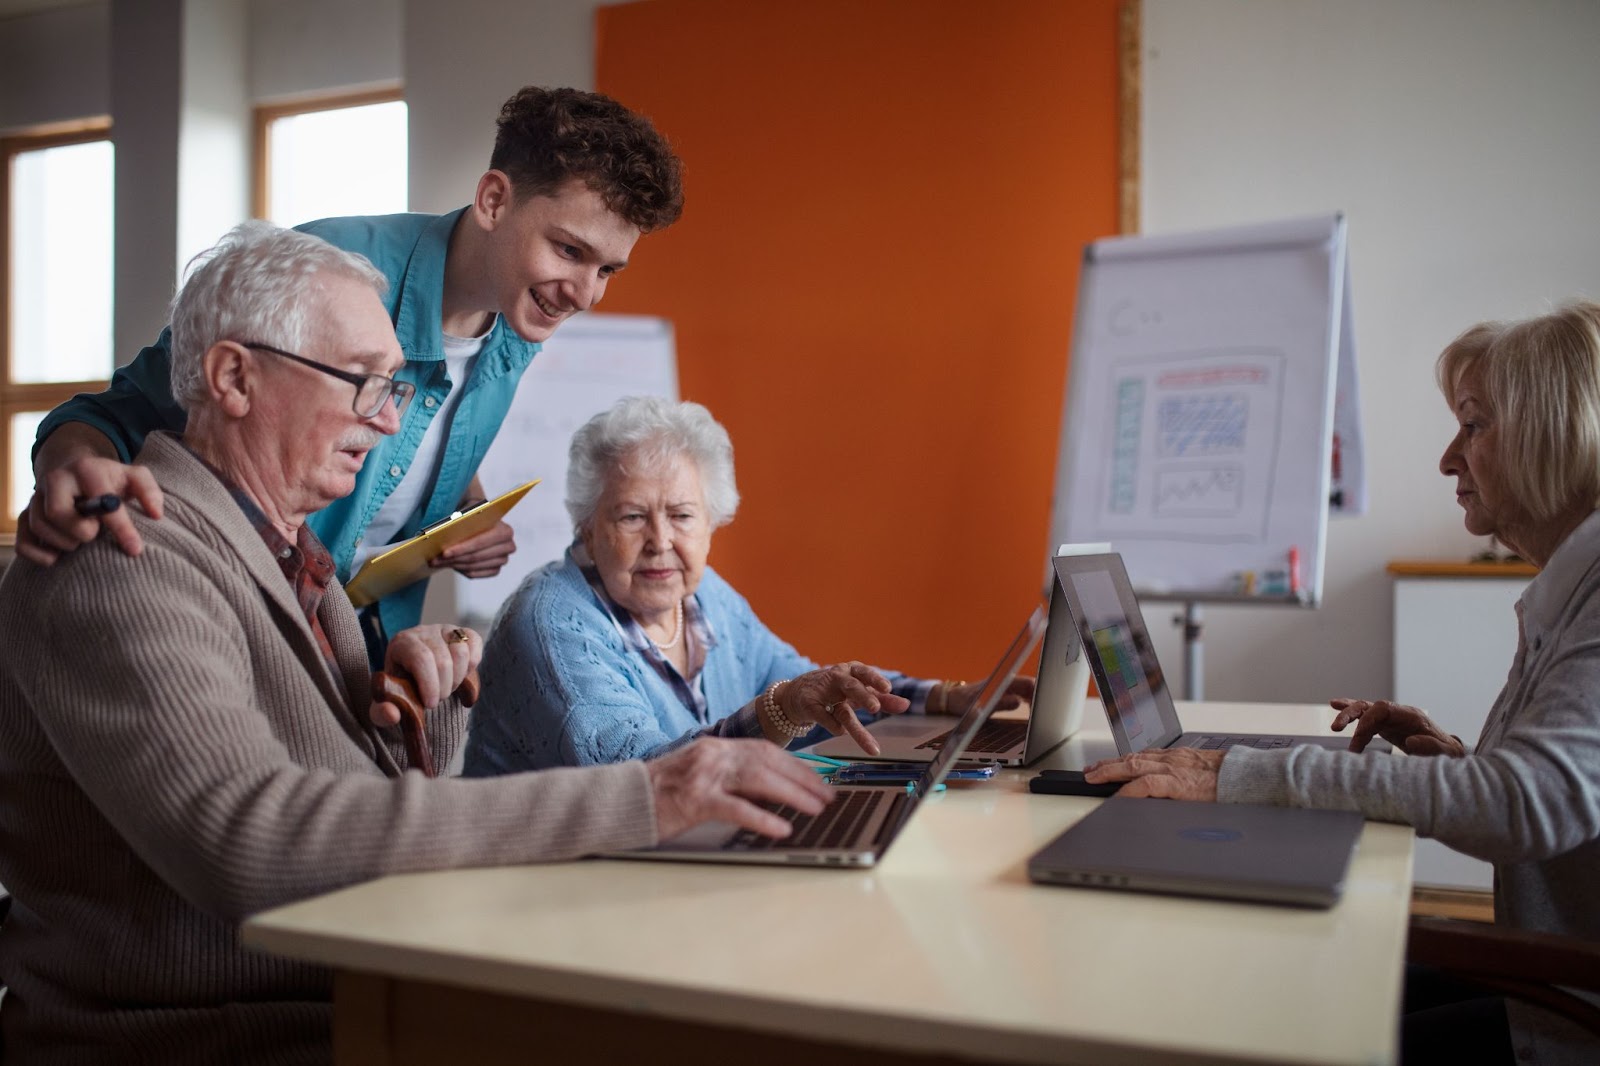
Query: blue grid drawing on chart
1202, 425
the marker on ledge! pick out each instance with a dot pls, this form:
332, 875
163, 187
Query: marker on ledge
1294, 571
91, 506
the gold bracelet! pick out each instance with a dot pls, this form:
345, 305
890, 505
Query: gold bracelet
943, 688
780, 721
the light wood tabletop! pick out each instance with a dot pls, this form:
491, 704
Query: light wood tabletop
944, 951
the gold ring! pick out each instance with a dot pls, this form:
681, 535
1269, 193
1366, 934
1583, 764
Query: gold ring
458, 636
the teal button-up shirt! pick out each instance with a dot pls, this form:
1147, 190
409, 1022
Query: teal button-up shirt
410, 251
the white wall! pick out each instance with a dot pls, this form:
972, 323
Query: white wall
180, 121
214, 143
1461, 138
55, 66
302, 47
462, 61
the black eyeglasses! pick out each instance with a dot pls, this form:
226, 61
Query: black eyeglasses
372, 390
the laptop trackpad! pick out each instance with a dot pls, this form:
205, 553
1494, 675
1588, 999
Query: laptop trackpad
706, 837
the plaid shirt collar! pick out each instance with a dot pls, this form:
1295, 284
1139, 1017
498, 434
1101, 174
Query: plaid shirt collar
697, 628
306, 564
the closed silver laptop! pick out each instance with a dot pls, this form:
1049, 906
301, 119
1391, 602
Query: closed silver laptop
1225, 850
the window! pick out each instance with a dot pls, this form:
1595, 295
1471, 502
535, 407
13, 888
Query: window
55, 283
343, 155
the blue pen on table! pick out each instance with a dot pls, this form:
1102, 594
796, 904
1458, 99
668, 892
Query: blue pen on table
824, 765
90, 506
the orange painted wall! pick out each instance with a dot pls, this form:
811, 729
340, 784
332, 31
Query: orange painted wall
872, 287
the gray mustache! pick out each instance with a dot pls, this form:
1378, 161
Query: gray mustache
359, 439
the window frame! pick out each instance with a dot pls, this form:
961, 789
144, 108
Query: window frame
26, 397
266, 114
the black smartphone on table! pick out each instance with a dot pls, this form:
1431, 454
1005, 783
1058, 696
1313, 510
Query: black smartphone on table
1070, 783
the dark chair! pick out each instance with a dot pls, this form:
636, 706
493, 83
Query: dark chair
1536, 968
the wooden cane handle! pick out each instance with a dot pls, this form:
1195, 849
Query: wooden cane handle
399, 690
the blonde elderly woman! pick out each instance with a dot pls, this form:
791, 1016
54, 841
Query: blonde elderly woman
631, 645
1526, 797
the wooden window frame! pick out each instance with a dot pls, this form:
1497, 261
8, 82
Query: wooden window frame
267, 114
22, 398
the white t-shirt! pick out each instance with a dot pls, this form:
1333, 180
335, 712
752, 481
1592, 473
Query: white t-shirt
459, 355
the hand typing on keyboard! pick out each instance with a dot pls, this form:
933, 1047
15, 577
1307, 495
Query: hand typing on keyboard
1172, 773
717, 780
1407, 728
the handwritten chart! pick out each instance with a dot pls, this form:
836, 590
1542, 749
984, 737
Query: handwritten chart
1199, 418
1194, 440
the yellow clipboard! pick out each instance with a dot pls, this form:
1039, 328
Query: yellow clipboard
407, 562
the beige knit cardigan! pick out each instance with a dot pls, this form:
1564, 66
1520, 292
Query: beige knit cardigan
175, 755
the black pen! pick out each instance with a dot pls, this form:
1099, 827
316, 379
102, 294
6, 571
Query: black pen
90, 506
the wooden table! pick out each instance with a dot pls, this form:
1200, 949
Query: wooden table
944, 952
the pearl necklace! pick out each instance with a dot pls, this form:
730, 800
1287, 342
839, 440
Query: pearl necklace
677, 633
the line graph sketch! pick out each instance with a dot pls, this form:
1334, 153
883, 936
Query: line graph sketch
1203, 490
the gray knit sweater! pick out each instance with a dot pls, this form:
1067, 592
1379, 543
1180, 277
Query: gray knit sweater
1526, 800
176, 755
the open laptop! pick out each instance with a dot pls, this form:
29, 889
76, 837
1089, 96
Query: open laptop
1132, 686
863, 820
1232, 851
1056, 713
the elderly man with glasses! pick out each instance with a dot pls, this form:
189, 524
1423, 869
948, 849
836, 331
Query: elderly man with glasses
190, 736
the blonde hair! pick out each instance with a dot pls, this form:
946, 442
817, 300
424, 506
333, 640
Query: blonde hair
1541, 384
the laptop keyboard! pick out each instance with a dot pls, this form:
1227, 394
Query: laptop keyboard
835, 827
1223, 742
996, 735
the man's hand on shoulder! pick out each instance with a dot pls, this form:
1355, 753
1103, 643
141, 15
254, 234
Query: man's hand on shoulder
52, 525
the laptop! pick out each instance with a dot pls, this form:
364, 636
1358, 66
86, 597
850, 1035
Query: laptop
1057, 711
1132, 686
1229, 851
863, 820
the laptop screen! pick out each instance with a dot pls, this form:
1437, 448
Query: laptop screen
1131, 682
994, 687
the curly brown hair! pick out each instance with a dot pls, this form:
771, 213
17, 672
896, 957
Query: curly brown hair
549, 136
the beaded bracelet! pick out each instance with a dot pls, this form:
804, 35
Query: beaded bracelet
780, 721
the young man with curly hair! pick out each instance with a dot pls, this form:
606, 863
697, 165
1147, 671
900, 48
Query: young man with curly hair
574, 180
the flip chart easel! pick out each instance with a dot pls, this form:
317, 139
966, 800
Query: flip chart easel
1199, 422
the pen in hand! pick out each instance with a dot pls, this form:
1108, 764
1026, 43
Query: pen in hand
91, 506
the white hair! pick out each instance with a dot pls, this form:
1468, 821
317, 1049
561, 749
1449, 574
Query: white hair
646, 430
256, 284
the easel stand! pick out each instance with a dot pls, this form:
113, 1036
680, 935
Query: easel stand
1194, 655
1192, 621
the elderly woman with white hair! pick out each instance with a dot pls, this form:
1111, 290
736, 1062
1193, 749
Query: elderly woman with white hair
1526, 797
631, 645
